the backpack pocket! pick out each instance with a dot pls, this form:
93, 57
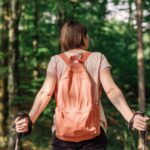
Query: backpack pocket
78, 125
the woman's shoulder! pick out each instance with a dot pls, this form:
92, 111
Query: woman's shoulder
97, 54
54, 57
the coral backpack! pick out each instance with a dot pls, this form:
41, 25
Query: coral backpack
77, 113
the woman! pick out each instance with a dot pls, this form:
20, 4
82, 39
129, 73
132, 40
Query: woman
74, 40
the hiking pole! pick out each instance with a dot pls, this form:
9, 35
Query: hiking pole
142, 133
18, 136
22, 115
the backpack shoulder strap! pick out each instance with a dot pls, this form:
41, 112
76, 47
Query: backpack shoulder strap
85, 56
65, 58
69, 61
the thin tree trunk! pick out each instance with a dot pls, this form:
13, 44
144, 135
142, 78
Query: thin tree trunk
2, 136
36, 20
12, 68
2, 143
3, 78
140, 59
61, 17
36, 36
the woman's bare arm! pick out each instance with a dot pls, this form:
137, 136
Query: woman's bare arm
41, 100
118, 100
43, 96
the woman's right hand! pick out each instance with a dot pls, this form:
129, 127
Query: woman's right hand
140, 122
21, 125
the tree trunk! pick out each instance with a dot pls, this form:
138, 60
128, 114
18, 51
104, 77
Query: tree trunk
2, 136
36, 20
140, 59
36, 36
13, 52
61, 17
3, 78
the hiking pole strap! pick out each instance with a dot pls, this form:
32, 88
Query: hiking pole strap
130, 124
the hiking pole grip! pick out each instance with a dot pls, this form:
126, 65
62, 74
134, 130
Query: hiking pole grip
142, 133
18, 136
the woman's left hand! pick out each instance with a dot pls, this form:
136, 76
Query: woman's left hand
21, 124
140, 122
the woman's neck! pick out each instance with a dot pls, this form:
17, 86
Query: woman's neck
77, 50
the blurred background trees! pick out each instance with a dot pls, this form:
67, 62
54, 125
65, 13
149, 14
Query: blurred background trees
29, 36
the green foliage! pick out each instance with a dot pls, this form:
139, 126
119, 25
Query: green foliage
116, 40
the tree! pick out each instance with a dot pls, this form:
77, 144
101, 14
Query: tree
61, 17
35, 22
36, 34
3, 77
13, 73
140, 59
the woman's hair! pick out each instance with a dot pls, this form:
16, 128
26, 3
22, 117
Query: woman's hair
72, 35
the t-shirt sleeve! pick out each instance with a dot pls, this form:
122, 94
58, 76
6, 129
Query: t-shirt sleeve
51, 68
104, 63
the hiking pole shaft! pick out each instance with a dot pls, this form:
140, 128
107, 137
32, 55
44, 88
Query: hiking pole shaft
18, 137
142, 133
17, 147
